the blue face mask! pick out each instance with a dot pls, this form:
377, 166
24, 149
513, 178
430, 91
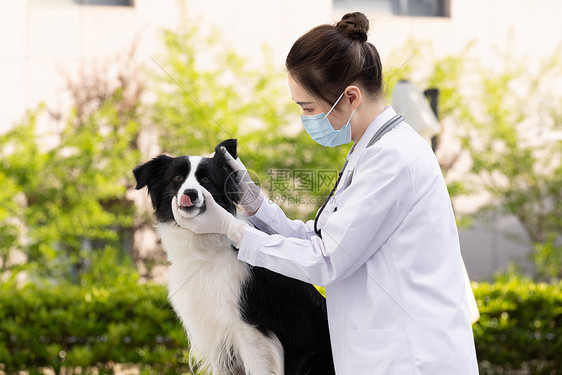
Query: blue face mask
319, 128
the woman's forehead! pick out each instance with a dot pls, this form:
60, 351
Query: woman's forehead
299, 94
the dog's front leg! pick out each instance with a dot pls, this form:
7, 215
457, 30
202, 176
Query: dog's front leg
218, 370
259, 353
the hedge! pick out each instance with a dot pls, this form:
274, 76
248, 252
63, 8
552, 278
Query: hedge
66, 326
520, 327
45, 326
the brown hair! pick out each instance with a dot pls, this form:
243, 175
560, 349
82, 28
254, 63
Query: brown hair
327, 59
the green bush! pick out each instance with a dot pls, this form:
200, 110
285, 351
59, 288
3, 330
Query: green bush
67, 326
520, 328
71, 326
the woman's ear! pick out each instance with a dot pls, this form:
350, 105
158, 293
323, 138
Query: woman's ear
353, 96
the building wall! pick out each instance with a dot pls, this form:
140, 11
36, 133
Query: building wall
530, 30
43, 40
531, 26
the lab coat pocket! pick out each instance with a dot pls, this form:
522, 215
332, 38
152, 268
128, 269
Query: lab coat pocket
377, 351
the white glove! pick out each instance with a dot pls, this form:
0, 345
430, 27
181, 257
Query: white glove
251, 196
215, 219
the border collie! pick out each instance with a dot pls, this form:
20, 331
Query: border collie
239, 319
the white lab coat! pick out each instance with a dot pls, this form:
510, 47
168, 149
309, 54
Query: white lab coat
389, 259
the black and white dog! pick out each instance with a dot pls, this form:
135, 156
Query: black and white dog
239, 319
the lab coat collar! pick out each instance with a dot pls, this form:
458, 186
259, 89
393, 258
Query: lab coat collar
359, 146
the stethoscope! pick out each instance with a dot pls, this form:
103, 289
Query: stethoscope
387, 126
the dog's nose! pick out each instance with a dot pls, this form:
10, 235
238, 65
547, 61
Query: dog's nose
192, 194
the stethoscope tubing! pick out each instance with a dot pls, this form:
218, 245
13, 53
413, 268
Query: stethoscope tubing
388, 126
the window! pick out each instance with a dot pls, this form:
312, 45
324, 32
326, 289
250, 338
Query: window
106, 2
414, 8
88, 2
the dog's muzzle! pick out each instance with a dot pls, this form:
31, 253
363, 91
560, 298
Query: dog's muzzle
191, 203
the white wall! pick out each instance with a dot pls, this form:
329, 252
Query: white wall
533, 30
12, 53
251, 24
533, 26
42, 40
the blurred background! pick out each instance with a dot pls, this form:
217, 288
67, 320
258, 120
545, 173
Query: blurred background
92, 88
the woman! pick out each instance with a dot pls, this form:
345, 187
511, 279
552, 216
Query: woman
385, 246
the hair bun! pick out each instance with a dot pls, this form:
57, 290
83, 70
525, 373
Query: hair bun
354, 26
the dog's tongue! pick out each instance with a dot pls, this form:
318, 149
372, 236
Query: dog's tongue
185, 201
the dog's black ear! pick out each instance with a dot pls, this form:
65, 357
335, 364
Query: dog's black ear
230, 145
147, 173
141, 174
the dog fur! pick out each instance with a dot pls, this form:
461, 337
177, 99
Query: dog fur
239, 319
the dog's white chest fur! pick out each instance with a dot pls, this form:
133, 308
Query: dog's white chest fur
205, 285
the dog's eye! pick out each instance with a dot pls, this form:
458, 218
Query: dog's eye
178, 178
205, 180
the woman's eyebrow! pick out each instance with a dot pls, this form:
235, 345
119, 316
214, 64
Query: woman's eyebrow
304, 103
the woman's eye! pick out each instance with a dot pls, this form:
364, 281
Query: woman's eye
205, 180
307, 110
178, 178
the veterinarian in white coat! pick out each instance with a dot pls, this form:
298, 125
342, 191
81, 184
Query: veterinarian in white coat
386, 246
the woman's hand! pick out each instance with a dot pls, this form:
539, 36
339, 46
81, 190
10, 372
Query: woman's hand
215, 219
251, 196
